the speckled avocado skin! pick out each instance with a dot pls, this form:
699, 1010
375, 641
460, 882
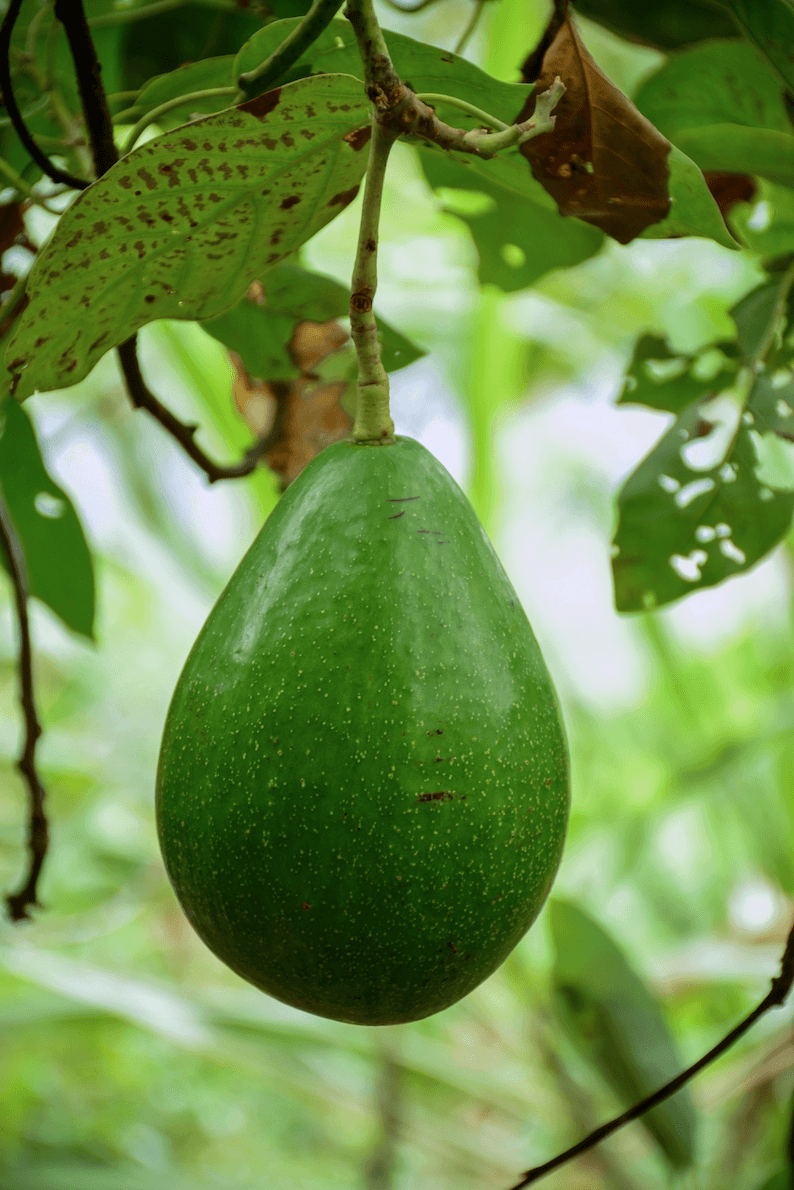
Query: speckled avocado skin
362, 792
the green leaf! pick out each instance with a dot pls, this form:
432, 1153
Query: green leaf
196, 76
667, 25
718, 82
182, 226
661, 378
778, 1181
615, 1021
261, 334
57, 559
766, 225
425, 68
682, 529
693, 211
770, 25
520, 235
736, 149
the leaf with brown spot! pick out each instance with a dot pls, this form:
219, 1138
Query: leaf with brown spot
190, 218
604, 162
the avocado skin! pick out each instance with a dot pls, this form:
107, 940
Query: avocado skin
362, 791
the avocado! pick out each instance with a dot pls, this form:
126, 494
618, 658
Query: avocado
362, 791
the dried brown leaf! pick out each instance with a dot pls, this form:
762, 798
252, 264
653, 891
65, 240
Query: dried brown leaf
302, 417
604, 162
729, 189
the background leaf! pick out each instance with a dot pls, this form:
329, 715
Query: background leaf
520, 235
667, 25
612, 1017
661, 378
59, 568
195, 76
260, 331
770, 25
182, 226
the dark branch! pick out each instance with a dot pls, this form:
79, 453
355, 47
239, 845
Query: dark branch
38, 832
142, 398
71, 14
781, 986
15, 115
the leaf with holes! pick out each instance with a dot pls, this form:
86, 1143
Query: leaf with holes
519, 234
695, 511
57, 559
260, 330
182, 226
615, 1022
661, 378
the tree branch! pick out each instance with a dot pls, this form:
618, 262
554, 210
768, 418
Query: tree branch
142, 398
14, 114
38, 831
775, 998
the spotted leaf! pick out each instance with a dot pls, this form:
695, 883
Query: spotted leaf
182, 226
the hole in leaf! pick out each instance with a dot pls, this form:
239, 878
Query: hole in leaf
49, 506
730, 550
689, 568
691, 491
513, 256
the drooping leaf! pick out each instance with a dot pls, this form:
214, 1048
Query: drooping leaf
604, 162
182, 226
195, 76
613, 1018
260, 331
769, 24
57, 559
519, 235
661, 378
693, 209
425, 68
666, 26
717, 492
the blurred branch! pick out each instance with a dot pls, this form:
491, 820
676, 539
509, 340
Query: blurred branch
97, 117
38, 831
15, 115
777, 995
379, 1171
472, 24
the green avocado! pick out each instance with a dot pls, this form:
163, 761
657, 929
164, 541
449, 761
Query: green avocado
362, 792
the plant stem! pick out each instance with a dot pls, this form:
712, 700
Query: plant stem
319, 17
38, 831
153, 116
373, 421
474, 21
150, 10
89, 81
489, 121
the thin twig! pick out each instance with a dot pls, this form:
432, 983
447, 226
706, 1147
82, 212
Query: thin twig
142, 398
781, 986
11, 106
319, 17
152, 116
26, 897
474, 21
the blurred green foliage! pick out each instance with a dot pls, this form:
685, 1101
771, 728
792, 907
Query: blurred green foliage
130, 1059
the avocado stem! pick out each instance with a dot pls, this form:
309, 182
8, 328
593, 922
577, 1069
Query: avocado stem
373, 423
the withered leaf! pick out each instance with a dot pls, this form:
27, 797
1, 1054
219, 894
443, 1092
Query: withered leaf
729, 189
301, 417
604, 162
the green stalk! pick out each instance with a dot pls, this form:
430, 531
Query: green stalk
373, 423
318, 18
153, 116
463, 105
